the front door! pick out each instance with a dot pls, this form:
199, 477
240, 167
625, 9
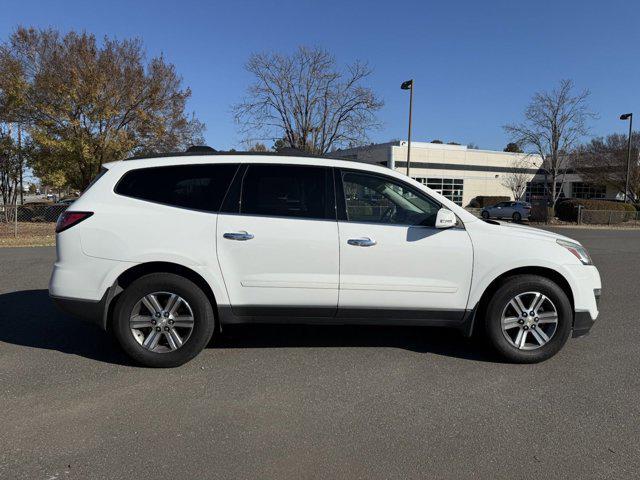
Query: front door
504, 210
277, 243
393, 262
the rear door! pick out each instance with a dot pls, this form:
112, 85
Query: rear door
277, 241
498, 210
393, 261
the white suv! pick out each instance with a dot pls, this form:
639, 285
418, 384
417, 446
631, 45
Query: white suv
166, 251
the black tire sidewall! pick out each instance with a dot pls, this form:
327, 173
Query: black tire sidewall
485, 215
508, 290
204, 323
517, 217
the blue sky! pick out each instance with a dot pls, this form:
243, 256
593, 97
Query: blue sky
475, 63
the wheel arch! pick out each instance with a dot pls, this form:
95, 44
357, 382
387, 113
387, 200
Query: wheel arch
545, 272
130, 275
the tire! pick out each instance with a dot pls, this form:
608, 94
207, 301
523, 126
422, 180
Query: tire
189, 326
485, 215
517, 217
505, 341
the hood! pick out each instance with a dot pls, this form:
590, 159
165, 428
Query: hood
523, 231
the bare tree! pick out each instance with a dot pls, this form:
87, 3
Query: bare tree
517, 177
307, 102
554, 122
603, 161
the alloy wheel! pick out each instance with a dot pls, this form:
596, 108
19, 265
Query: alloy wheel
529, 321
161, 322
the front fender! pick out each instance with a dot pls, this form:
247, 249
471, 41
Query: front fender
480, 283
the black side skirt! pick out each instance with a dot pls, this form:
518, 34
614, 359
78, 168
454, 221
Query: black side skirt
459, 319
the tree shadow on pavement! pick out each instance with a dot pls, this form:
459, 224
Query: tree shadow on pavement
29, 318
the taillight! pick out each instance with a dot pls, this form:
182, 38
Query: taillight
69, 219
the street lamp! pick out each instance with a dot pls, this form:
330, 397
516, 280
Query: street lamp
628, 116
408, 85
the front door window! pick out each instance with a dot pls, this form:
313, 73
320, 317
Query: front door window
378, 199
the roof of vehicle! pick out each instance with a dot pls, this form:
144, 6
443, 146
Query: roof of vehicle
287, 152
206, 156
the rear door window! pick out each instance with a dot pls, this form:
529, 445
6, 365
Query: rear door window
297, 191
197, 187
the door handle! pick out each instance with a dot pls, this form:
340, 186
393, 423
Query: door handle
361, 242
241, 236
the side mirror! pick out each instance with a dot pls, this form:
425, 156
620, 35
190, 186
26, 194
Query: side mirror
445, 218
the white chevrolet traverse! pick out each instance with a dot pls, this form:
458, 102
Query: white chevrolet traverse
166, 251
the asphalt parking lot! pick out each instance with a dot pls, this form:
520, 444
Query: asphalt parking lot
319, 402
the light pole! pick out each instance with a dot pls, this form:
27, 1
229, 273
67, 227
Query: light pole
408, 85
628, 116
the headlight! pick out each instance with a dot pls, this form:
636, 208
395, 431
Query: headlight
577, 250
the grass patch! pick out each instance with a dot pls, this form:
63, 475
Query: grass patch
29, 234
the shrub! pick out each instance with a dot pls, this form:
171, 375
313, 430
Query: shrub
482, 201
567, 210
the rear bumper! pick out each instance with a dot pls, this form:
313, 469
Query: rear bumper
87, 310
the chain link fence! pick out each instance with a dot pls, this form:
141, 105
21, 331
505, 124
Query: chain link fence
608, 217
619, 218
29, 224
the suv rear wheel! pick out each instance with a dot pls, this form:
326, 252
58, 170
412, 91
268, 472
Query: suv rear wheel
528, 319
163, 320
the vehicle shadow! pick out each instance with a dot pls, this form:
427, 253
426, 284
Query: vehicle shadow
30, 319
439, 341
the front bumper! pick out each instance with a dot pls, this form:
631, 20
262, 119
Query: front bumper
583, 321
582, 324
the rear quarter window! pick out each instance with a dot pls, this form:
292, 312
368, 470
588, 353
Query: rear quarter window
197, 187
102, 171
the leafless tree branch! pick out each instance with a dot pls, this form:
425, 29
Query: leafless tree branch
554, 122
304, 100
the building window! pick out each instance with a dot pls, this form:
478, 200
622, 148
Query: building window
536, 189
450, 188
587, 190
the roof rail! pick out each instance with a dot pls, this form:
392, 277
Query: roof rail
206, 150
200, 149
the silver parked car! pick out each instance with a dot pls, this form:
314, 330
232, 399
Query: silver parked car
516, 211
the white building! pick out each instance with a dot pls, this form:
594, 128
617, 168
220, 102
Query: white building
461, 174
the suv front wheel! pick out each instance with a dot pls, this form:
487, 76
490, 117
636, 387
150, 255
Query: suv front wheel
163, 320
528, 319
